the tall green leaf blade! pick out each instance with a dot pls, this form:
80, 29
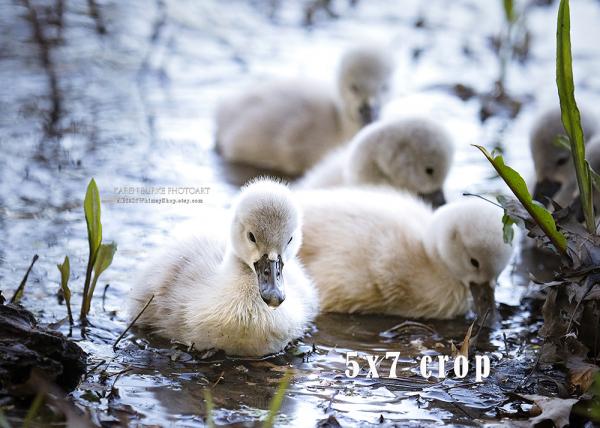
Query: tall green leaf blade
570, 116
517, 185
91, 207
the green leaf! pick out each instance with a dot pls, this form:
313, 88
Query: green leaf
508, 232
65, 273
277, 400
517, 185
91, 207
104, 258
571, 118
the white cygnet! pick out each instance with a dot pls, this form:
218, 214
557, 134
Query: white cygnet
382, 251
289, 126
554, 170
235, 287
410, 154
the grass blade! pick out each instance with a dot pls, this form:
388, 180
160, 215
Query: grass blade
517, 185
3, 421
208, 419
21, 288
34, 409
65, 273
571, 118
277, 400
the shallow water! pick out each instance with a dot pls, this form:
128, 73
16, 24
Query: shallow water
132, 108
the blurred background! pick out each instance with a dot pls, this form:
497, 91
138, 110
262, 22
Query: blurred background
124, 91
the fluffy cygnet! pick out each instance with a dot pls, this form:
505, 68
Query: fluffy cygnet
554, 168
244, 293
410, 154
382, 251
288, 126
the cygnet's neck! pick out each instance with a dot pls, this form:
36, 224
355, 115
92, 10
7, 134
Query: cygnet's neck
348, 126
430, 242
244, 278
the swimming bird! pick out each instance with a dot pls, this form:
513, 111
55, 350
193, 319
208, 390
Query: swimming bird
288, 126
554, 169
235, 287
412, 154
381, 251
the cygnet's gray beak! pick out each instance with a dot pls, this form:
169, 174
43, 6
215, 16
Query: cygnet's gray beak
435, 198
545, 189
367, 113
270, 280
484, 301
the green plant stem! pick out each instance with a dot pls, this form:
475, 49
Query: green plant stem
86, 287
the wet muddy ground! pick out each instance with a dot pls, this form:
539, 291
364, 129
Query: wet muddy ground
124, 92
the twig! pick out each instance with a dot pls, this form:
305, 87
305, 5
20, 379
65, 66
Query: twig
407, 325
218, 379
104, 296
535, 365
19, 292
93, 368
95, 14
481, 197
505, 344
132, 323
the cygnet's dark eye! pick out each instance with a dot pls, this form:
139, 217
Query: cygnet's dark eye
251, 237
429, 170
475, 263
290, 240
562, 161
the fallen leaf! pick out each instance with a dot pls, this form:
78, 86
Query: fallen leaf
554, 409
464, 348
581, 374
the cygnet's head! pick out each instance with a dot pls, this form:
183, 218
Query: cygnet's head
410, 154
266, 233
363, 83
553, 165
468, 237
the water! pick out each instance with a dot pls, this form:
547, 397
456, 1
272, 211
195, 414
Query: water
133, 108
